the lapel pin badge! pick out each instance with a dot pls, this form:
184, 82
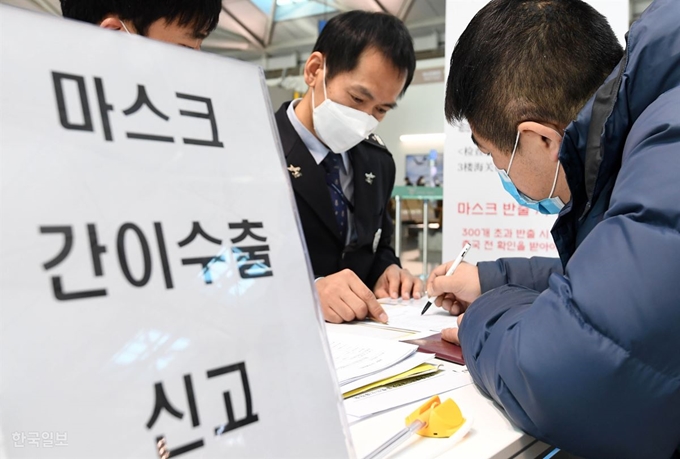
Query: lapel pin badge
295, 171
369, 178
376, 239
376, 138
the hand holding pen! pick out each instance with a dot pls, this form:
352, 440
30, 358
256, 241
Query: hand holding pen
455, 284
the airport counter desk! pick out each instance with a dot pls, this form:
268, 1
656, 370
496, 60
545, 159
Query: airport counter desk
492, 434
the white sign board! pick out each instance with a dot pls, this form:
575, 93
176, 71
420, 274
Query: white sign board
155, 296
476, 208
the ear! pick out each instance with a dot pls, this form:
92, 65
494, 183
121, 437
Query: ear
313, 71
542, 137
113, 22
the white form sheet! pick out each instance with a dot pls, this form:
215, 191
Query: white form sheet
406, 315
356, 357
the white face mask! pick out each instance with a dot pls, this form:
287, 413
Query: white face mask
125, 27
338, 126
547, 206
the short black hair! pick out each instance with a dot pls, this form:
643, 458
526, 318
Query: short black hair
202, 15
528, 60
346, 36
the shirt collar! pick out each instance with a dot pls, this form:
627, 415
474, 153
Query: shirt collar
313, 144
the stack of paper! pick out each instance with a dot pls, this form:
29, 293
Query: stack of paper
409, 375
407, 364
358, 357
402, 393
377, 375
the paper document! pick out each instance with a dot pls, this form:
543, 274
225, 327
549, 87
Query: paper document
356, 357
420, 370
404, 392
411, 362
406, 315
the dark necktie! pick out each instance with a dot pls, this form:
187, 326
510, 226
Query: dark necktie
332, 165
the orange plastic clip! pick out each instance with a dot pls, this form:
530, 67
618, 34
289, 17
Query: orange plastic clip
441, 419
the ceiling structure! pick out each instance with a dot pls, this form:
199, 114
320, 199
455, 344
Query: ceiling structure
262, 30
279, 34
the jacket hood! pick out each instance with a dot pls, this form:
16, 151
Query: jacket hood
593, 143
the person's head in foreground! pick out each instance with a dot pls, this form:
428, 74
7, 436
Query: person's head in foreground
581, 352
182, 22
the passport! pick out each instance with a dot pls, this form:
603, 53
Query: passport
442, 349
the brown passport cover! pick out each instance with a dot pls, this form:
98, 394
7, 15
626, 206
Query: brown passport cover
442, 349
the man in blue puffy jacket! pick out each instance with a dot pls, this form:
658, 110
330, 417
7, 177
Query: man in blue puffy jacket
581, 352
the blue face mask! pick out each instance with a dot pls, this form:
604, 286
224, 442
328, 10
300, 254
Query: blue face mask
545, 206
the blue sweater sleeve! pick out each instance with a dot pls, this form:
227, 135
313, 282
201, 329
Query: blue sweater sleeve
532, 273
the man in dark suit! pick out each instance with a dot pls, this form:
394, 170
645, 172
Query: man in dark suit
342, 173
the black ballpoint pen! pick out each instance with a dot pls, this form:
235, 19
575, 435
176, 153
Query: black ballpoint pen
448, 273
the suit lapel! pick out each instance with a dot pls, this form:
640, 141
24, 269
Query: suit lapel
366, 196
310, 185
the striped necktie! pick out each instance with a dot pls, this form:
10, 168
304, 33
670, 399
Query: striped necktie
332, 164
